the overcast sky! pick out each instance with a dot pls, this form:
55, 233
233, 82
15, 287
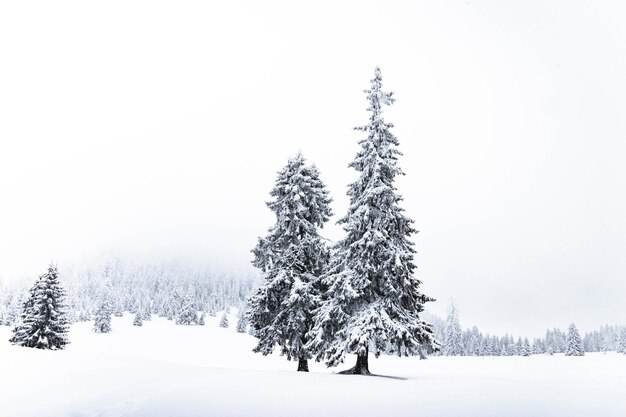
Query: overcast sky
158, 128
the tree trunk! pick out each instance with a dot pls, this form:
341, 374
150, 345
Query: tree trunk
303, 365
361, 367
422, 354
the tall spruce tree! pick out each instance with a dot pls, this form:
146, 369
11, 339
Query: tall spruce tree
574, 345
453, 342
292, 258
373, 300
43, 323
137, 321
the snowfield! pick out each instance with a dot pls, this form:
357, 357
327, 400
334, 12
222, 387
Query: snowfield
164, 370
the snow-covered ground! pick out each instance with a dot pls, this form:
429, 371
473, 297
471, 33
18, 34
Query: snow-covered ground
164, 370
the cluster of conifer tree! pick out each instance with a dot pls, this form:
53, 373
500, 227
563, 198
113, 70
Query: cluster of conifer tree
359, 295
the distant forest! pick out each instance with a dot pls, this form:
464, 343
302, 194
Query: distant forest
161, 288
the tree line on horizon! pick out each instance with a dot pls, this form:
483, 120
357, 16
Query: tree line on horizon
472, 342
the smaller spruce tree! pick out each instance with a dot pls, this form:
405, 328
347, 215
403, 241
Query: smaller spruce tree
292, 257
453, 342
574, 345
147, 312
525, 348
621, 345
138, 321
188, 314
102, 323
242, 322
224, 320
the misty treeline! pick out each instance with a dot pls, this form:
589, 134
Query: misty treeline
121, 285
473, 342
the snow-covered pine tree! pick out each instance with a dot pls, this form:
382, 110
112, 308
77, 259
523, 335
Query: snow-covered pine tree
513, 349
292, 258
453, 343
146, 315
146, 311
520, 346
560, 340
23, 325
525, 348
476, 341
242, 324
224, 320
242, 321
43, 322
137, 321
574, 345
495, 346
188, 313
84, 316
609, 338
373, 300
486, 348
13, 309
621, 345
102, 323
504, 351
212, 305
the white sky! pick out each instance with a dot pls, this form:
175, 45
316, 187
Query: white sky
158, 127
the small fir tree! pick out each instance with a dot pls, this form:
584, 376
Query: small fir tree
621, 345
212, 305
504, 351
224, 320
137, 321
146, 312
102, 323
574, 345
292, 258
242, 322
188, 314
453, 342
485, 346
84, 316
495, 346
43, 322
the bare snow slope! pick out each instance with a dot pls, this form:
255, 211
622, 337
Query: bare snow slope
163, 370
